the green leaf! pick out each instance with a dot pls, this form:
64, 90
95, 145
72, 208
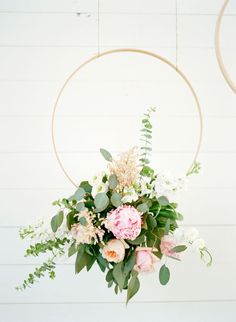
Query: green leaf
56, 221
107, 156
102, 262
119, 275
130, 262
72, 250
151, 221
143, 207
101, 201
163, 201
139, 240
164, 275
82, 221
167, 226
90, 262
86, 186
147, 171
81, 259
80, 206
113, 182
109, 276
79, 194
116, 199
133, 287
70, 219
179, 248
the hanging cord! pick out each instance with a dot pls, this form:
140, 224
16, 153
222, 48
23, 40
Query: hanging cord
176, 34
98, 27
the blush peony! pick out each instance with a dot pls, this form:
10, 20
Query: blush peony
124, 222
113, 251
145, 260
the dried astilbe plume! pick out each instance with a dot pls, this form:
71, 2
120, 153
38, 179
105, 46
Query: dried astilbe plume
126, 168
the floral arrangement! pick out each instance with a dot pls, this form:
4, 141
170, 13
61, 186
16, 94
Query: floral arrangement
122, 219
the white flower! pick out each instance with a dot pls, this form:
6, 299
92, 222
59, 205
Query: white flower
97, 184
166, 184
199, 244
191, 235
98, 188
130, 195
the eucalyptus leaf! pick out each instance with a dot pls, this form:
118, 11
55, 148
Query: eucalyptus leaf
107, 156
81, 259
113, 182
163, 201
179, 248
164, 275
101, 201
119, 275
72, 250
56, 221
86, 186
133, 287
79, 194
80, 206
130, 262
143, 207
116, 199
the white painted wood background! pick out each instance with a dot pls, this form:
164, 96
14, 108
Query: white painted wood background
41, 42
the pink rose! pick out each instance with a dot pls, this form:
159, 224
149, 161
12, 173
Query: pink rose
145, 260
168, 242
124, 222
113, 251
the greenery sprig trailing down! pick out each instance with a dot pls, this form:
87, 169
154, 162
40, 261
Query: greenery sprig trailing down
83, 226
146, 137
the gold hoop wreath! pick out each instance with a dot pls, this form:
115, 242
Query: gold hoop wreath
111, 52
218, 50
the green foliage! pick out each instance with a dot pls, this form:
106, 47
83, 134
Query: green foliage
113, 182
101, 201
179, 248
164, 275
119, 275
86, 186
47, 246
194, 169
56, 221
107, 155
46, 267
133, 286
79, 194
146, 136
116, 199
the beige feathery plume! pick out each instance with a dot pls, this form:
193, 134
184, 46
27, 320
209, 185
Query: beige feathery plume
126, 168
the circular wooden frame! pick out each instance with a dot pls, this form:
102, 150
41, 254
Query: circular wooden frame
114, 51
218, 50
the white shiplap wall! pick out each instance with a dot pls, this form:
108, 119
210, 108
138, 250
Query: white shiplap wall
41, 42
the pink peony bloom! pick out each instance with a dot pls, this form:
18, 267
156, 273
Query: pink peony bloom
145, 260
113, 251
168, 242
124, 222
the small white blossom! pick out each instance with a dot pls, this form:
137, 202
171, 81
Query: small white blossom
130, 195
191, 235
199, 244
98, 185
